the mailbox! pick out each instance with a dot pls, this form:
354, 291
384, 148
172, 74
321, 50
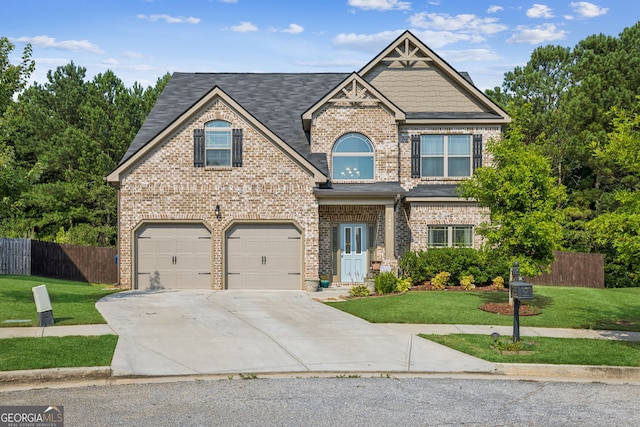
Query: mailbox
43, 305
521, 290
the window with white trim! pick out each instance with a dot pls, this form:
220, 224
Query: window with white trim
444, 236
217, 136
352, 158
446, 155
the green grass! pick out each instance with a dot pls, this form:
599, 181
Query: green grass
563, 351
562, 307
73, 303
56, 352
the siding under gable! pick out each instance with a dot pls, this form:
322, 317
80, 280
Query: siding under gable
424, 89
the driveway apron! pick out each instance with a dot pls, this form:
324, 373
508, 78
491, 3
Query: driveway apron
229, 332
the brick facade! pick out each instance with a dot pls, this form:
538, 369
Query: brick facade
280, 172
165, 186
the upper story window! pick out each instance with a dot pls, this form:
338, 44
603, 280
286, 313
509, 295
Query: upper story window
445, 156
352, 158
217, 136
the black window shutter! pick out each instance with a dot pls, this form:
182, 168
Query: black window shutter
415, 156
236, 151
477, 151
198, 148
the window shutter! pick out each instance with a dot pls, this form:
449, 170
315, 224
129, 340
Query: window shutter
415, 156
198, 148
477, 152
236, 150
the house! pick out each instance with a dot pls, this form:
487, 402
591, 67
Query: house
243, 180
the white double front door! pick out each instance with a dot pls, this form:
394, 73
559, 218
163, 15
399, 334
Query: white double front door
353, 252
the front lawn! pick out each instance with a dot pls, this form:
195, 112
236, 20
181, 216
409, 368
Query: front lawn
562, 307
562, 351
56, 352
73, 303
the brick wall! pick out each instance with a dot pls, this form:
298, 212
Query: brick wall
374, 122
166, 186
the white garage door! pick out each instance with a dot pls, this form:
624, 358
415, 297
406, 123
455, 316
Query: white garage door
173, 256
263, 256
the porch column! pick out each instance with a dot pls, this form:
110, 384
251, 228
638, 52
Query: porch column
389, 231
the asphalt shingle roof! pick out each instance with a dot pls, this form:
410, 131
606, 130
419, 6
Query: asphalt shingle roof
277, 100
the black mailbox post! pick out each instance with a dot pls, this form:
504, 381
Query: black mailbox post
518, 290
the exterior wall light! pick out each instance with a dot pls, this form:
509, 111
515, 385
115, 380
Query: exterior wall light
217, 212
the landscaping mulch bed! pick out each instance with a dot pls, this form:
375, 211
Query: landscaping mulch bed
507, 310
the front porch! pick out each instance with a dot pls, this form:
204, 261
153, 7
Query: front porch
357, 226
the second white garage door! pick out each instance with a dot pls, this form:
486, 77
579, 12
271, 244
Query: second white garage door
264, 256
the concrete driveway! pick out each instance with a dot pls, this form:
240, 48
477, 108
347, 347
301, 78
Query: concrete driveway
229, 332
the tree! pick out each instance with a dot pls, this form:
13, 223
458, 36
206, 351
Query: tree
523, 199
617, 229
13, 78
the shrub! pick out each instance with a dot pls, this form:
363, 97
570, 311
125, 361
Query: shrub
403, 284
482, 265
385, 282
498, 283
440, 280
467, 283
359, 291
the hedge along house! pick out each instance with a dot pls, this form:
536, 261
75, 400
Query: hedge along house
267, 181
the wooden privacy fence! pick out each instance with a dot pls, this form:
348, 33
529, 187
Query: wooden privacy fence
82, 263
574, 269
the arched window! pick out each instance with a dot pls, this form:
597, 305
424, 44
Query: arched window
352, 158
218, 143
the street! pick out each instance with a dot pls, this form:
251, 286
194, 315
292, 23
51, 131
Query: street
339, 400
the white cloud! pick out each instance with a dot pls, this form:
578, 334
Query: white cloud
494, 9
293, 29
228, 1
468, 23
380, 4
110, 62
588, 10
132, 54
244, 27
539, 11
470, 55
375, 42
539, 34
170, 19
366, 42
70, 45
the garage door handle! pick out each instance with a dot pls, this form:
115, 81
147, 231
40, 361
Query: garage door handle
264, 260
294, 274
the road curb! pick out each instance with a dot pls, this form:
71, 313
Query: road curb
55, 374
569, 371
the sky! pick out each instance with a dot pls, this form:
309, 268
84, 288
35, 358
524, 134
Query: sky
141, 40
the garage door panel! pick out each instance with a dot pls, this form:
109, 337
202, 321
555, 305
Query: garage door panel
172, 256
263, 256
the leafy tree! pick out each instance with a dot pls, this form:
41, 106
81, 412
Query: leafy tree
13, 78
523, 199
617, 230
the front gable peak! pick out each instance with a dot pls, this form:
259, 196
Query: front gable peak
353, 91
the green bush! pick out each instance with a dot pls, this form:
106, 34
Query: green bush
403, 284
385, 282
460, 262
359, 291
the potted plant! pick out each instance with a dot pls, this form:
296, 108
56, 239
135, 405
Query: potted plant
325, 281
